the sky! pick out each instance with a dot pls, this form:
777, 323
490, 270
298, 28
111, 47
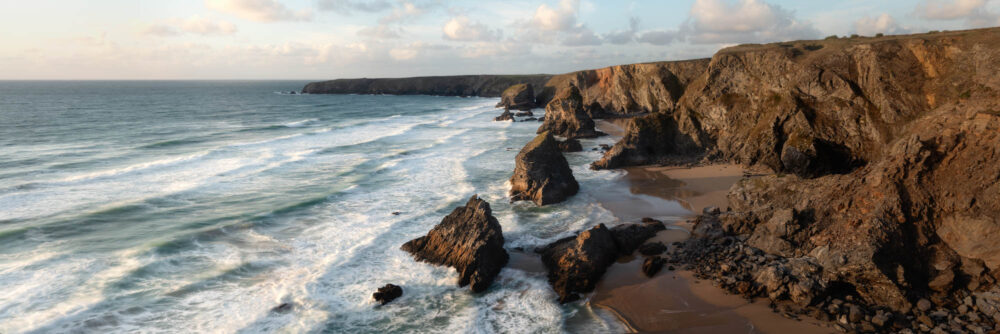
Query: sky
326, 39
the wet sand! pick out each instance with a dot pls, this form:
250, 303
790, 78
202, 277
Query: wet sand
675, 301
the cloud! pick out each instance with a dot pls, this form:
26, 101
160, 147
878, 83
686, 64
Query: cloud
658, 37
974, 12
745, 21
624, 36
351, 6
884, 23
580, 37
380, 32
460, 28
413, 50
195, 25
259, 10
561, 18
406, 11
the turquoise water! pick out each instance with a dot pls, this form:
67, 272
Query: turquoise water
200, 206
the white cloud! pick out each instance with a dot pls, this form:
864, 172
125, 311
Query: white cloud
745, 21
950, 9
884, 23
351, 6
561, 18
413, 50
974, 12
193, 25
461, 28
580, 37
259, 10
624, 36
406, 11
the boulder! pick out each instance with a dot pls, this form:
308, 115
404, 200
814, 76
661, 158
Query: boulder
470, 240
570, 145
628, 237
565, 116
575, 264
652, 248
505, 116
652, 265
387, 293
525, 113
518, 97
542, 174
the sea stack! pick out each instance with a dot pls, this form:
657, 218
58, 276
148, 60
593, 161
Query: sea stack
518, 97
469, 240
565, 116
542, 174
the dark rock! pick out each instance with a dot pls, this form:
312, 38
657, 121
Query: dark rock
652, 248
570, 145
542, 174
505, 116
628, 237
524, 113
529, 119
518, 97
283, 308
652, 265
648, 139
387, 293
566, 117
924, 305
396, 213
470, 240
576, 264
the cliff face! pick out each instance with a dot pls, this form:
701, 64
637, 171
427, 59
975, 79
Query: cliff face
461, 85
629, 89
822, 107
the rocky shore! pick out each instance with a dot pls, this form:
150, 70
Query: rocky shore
875, 208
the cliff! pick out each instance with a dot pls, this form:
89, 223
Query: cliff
459, 85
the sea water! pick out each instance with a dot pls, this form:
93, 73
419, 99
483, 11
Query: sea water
181, 206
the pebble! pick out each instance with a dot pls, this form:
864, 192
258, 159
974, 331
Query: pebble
923, 305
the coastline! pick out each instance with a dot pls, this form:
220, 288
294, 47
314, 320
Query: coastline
676, 301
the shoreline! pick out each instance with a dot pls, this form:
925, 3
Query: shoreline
675, 300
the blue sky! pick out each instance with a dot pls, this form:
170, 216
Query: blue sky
318, 39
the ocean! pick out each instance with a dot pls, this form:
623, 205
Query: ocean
200, 206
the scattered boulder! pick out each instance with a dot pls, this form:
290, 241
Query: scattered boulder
652, 248
570, 145
542, 174
470, 240
565, 116
387, 293
505, 116
518, 97
652, 265
575, 264
524, 113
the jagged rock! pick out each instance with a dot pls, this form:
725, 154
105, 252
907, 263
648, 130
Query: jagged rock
470, 240
518, 97
575, 264
649, 139
570, 145
652, 248
283, 308
652, 265
387, 293
524, 113
628, 237
505, 116
542, 174
565, 116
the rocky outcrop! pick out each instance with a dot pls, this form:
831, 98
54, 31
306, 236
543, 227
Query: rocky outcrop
652, 248
654, 138
458, 85
565, 116
506, 116
570, 145
921, 221
542, 174
518, 97
470, 240
576, 264
629, 89
387, 293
